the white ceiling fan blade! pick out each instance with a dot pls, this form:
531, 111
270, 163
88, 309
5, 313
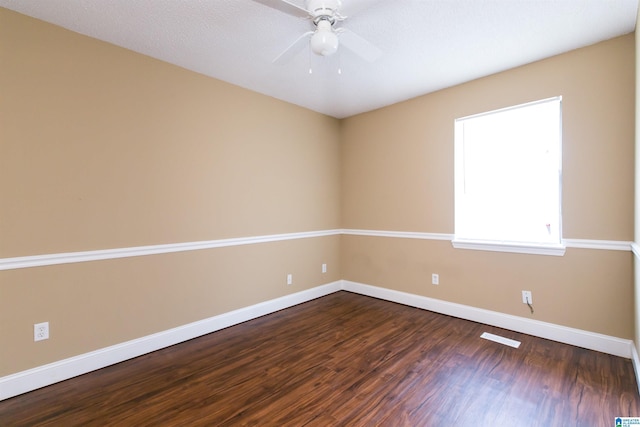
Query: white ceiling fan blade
358, 45
293, 49
285, 6
354, 10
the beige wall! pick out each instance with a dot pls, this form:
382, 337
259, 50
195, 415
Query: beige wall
93, 305
397, 166
637, 188
104, 148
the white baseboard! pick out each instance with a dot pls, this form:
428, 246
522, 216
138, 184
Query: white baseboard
32, 379
635, 359
580, 338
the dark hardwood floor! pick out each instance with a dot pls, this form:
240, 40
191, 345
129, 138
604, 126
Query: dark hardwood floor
344, 360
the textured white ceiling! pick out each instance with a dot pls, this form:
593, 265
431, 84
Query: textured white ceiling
427, 45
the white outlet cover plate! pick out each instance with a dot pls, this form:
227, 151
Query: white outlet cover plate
41, 331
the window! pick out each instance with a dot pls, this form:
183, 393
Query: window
508, 179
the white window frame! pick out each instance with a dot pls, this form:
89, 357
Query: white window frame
538, 248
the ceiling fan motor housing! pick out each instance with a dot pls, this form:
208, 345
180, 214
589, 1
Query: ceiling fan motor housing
323, 8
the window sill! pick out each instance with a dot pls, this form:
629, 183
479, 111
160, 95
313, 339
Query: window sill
520, 248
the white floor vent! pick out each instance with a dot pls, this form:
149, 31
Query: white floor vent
501, 340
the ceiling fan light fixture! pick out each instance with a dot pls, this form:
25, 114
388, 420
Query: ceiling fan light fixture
324, 41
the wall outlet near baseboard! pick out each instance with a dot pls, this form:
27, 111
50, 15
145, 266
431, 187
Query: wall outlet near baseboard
526, 297
41, 331
435, 279
289, 279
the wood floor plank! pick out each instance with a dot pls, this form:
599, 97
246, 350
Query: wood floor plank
344, 360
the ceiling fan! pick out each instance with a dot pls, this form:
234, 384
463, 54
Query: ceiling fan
326, 37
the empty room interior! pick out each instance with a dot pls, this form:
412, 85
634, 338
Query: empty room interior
145, 203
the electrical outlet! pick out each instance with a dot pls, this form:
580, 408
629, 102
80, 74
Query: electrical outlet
41, 331
324, 268
435, 279
289, 279
526, 297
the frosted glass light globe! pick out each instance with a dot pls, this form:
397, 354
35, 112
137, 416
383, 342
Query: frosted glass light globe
324, 41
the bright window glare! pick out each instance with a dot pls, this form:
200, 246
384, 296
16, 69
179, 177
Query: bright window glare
508, 174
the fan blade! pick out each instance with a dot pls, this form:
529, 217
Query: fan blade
286, 6
353, 10
293, 49
358, 45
